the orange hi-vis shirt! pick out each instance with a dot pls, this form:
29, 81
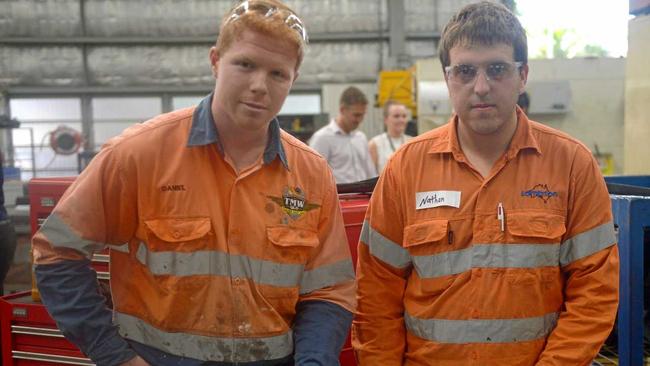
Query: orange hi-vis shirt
517, 268
214, 262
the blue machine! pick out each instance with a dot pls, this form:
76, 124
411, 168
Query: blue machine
632, 218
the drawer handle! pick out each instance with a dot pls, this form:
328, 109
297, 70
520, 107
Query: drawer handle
102, 258
45, 332
52, 358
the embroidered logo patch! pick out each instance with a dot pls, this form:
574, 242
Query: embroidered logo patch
293, 202
540, 191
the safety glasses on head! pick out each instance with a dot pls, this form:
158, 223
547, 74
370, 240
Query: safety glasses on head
267, 10
495, 71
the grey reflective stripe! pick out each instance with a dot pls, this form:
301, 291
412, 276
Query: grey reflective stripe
384, 248
481, 330
487, 256
328, 275
220, 264
123, 248
205, 348
587, 243
60, 235
443, 264
365, 232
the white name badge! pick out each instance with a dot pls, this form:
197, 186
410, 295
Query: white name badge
433, 199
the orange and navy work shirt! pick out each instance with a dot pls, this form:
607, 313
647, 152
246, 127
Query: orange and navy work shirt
206, 263
516, 268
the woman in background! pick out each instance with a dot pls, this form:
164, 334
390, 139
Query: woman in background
383, 146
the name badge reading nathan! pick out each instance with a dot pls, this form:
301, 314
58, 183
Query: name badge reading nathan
433, 199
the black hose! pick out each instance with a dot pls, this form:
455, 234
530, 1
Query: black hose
363, 186
368, 185
627, 190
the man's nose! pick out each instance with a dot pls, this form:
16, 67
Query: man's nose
481, 83
258, 82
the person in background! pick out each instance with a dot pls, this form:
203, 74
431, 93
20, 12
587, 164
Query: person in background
7, 233
382, 146
343, 146
489, 240
226, 236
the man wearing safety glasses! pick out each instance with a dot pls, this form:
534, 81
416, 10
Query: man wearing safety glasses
226, 236
488, 241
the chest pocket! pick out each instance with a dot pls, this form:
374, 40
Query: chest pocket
171, 233
543, 227
425, 241
537, 264
289, 245
428, 232
286, 253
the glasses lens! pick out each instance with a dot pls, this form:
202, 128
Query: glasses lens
497, 71
294, 22
267, 10
464, 73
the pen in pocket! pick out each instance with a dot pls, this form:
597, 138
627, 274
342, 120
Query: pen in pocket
501, 216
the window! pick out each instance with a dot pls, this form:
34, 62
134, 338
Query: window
38, 118
301, 104
113, 115
184, 101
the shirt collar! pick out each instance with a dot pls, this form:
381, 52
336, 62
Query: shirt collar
338, 130
204, 132
522, 139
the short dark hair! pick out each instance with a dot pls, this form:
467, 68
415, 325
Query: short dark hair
484, 23
352, 96
389, 103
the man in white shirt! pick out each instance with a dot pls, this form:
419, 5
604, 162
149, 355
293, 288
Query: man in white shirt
345, 148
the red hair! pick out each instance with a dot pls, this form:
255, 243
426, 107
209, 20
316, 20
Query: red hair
255, 19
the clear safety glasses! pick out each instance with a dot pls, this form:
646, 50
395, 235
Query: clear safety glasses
495, 71
267, 10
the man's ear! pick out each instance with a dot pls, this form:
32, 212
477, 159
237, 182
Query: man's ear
214, 61
524, 78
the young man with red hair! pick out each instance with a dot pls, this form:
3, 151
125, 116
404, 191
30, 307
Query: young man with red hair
227, 241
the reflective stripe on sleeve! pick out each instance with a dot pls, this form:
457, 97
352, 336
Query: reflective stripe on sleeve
220, 264
60, 235
205, 348
481, 330
123, 248
383, 248
327, 275
487, 256
587, 243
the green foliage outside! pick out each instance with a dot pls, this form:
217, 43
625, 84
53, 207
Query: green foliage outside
565, 43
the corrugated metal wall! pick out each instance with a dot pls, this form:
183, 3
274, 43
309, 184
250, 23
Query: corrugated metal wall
47, 59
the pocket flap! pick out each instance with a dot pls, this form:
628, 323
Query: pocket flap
425, 232
535, 224
179, 229
289, 237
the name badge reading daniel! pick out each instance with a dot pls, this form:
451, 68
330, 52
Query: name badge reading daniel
433, 199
